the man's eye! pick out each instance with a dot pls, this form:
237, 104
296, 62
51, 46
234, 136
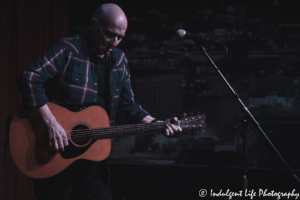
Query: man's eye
111, 35
108, 34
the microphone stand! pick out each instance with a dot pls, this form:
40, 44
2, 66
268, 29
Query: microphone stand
248, 117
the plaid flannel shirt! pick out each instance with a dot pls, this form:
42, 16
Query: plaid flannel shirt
73, 60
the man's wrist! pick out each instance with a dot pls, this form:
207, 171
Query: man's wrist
46, 115
147, 119
154, 121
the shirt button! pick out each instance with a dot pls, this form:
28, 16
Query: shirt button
117, 89
95, 83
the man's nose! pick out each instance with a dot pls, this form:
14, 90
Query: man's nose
115, 41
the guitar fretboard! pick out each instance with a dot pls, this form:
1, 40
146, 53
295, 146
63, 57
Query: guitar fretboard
125, 130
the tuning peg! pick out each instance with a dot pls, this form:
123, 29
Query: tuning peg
184, 114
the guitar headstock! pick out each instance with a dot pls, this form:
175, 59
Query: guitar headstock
192, 123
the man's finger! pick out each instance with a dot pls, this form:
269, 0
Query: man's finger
179, 128
65, 139
55, 144
60, 142
174, 127
174, 120
50, 144
167, 132
170, 129
66, 142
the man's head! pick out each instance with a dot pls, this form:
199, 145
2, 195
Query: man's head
108, 26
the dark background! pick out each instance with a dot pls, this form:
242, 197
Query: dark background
171, 77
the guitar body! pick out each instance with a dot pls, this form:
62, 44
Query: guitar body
29, 143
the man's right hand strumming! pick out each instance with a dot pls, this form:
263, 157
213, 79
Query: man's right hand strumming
57, 136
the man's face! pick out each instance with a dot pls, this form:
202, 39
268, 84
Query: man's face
107, 37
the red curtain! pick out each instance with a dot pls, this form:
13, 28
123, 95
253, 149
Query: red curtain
27, 30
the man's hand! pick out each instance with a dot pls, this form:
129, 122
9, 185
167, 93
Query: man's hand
171, 125
57, 136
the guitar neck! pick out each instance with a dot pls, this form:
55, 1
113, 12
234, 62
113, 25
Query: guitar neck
126, 130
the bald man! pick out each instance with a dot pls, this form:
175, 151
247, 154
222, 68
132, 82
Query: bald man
90, 71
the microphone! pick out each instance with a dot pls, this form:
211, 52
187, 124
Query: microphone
196, 38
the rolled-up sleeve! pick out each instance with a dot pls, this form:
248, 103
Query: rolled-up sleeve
31, 81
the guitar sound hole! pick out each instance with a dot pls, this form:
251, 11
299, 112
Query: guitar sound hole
80, 135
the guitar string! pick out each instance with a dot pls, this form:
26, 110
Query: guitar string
122, 127
110, 134
104, 136
148, 124
115, 130
112, 131
82, 133
101, 133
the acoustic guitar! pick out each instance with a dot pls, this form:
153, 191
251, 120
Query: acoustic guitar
88, 133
